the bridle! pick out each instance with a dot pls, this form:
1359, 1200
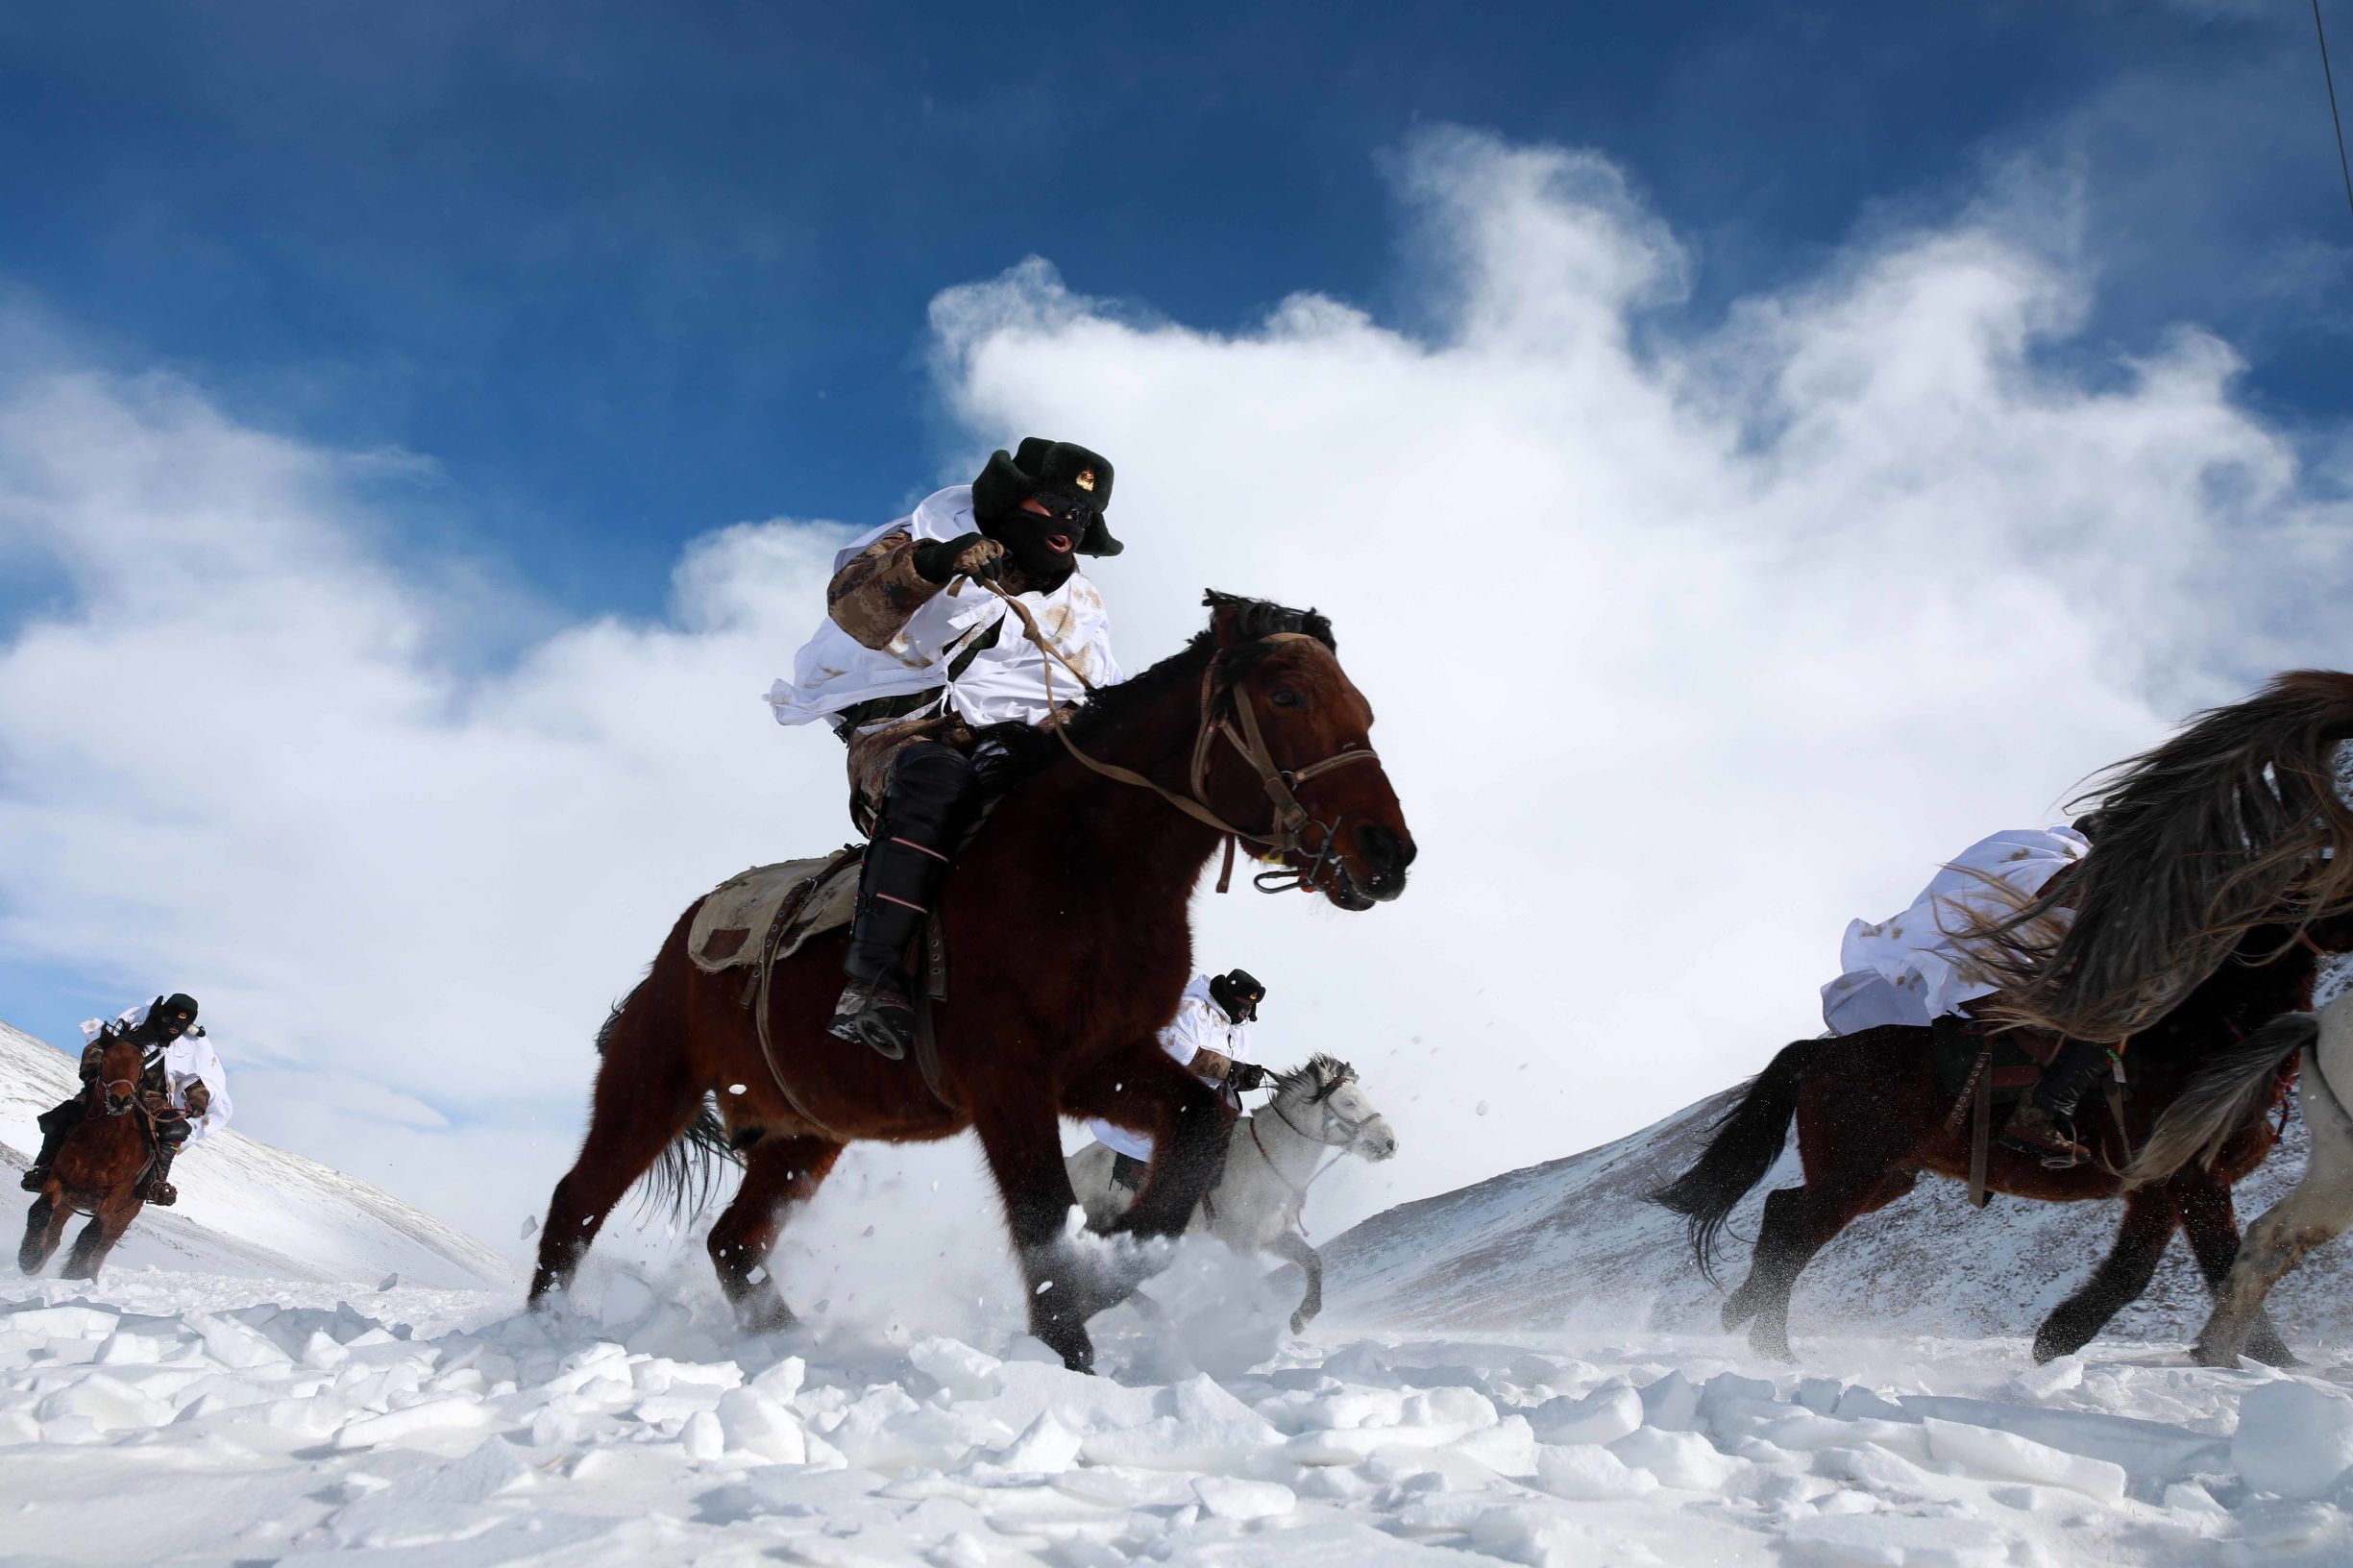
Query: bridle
1285, 832
1299, 1190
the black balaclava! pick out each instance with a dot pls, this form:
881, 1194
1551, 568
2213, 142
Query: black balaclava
1238, 994
1070, 482
172, 1017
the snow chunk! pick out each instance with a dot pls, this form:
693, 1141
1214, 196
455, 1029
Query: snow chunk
1224, 1497
1045, 1447
1988, 1451
965, 1372
2293, 1440
1585, 1472
1670, 1404
1200, 1427
107, 1404
59, 1322
1678, 1459
432, 1417
754, 1423
1602, 1416
704, 1437
1886, 1540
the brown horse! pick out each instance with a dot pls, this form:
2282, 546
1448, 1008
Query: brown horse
96, 1171
1068, 931
1871, 1118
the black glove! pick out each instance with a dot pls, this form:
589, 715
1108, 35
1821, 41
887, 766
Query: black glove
972, 554
1246, 1075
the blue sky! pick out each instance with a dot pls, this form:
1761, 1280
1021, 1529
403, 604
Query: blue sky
630, 272
380, 386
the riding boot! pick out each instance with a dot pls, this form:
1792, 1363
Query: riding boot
55, 1124
2043, 1122
933, 800
1127, 1173
158, 1188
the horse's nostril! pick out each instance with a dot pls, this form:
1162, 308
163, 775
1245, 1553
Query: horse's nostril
1380, 848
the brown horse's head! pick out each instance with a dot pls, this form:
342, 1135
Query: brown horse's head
1356, 846
117, 1083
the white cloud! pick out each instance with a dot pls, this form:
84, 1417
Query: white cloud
1688, 640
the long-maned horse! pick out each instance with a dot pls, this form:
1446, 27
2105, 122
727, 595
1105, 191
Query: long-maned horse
1872, 1118
1069, 943
96, 1171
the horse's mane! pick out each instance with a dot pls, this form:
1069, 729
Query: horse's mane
2236, 821
1320, 1071
1029, 748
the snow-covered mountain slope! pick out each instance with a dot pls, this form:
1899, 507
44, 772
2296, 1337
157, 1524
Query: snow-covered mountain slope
245, 1207
1572, 1241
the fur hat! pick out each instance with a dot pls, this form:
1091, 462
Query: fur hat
1067, 478
1239, 993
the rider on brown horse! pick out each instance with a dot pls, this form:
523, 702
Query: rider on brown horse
913, 665
173, 1087
1919, 968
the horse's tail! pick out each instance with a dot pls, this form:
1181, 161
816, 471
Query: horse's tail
684, 1175
1748, 1139
2236, 821
2232, 1091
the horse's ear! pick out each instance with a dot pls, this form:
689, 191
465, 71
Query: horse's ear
1226, 629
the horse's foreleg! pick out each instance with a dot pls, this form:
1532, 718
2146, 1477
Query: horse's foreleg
2141, 1239
777, 1176
645, 1099
1023, 1147
1290, 1244
98, 1237
44, 1228
2210, 1220
1188, 1124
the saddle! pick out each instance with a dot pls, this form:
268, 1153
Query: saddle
781, 905
2019, 1058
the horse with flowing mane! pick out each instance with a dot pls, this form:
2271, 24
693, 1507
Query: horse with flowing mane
96, 1171
2221, 868
1067, 923
1871, 1118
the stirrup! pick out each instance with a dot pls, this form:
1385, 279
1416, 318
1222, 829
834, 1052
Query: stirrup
162, 1194
2058, 1151
36, 1178
878, 1017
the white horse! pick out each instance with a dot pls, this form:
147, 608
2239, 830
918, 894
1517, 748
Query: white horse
1276, 1153
2218, 1103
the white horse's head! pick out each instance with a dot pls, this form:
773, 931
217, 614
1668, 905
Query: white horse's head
1324, 1101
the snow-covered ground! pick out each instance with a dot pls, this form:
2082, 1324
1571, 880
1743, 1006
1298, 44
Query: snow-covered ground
201, 1419
244, 1208
209, 1413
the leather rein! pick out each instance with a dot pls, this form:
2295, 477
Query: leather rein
1286, 830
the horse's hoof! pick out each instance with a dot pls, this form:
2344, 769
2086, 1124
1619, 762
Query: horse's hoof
767, 1318
2273, 1352
2213, 1356
1300, 1322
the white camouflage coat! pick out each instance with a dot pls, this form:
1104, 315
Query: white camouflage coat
1006, 682
1908, 968
1200, 1025
189, 1060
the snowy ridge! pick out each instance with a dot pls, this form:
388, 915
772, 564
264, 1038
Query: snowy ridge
245, 1207
1573, 1241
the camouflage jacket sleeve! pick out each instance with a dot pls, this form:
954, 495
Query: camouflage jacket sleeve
873, 595
1214, 1065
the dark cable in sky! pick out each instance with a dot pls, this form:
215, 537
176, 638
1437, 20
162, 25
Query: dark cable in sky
2330, 77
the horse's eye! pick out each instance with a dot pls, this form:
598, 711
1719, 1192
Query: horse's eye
1285, 697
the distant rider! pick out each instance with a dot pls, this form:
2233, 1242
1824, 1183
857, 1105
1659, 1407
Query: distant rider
914, 660
1912, 970
182, 1087
1208, 1035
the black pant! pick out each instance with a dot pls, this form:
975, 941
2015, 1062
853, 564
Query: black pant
934, 797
